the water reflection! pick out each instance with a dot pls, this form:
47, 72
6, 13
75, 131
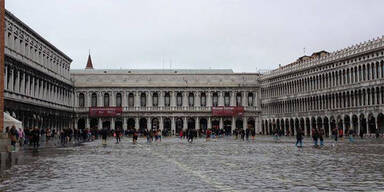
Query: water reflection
222, 165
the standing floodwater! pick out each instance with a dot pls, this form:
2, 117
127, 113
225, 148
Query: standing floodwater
217, 165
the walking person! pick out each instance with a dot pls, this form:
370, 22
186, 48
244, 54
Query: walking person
315, 137
12, 133
104, 135
247, 134
299, 138
321, 136
35, 138
350, 134
334, 134
134, 137
117, 135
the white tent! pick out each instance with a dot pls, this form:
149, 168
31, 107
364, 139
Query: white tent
9, 121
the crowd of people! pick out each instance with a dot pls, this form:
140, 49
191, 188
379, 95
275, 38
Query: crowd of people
31, 136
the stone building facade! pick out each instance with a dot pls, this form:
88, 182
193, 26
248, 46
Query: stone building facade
166, 99
38, 90
342, 90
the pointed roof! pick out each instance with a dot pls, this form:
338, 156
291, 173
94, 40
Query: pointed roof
89, 63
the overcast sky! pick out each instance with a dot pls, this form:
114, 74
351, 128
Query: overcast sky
243, 35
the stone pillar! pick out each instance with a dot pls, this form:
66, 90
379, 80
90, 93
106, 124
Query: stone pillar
329, 127
185, 124
137, 99
367, 121
173, 98
221, 124
149, 123
10, 85
161, 124
358, 125
149, 98
233, 124
209, 99
124, 99
17, 85
209, 126
137, 125
161, 98
5, 77
197, 99
197, 123
245, 123
310, 126
113, 123
233, 98
100, 125
87, 125
221, 98
244, 98
125, 123
22, 88
173, 125
100, 96
185, 99
112, 98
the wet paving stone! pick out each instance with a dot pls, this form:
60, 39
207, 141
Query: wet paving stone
218, 165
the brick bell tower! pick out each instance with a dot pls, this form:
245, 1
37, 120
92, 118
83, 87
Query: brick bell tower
89, 62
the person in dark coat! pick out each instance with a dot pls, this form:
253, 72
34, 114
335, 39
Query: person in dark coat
299, 138
104, 135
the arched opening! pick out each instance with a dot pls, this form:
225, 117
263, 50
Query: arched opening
251, 124
227, 98
363, 125
81, 123
94, 100
380, 123
179, 125
167, 99
143, 100
215, 99
297, 124
131, 100
94, 123
308, 124
355, 124
250, 99
227, 126
106, 124
155, 124
282, 126
371, 123
203, 100
292, 126
347, 124
313, 123
106, 100
239, 124
287, 130
167, 127
326, 126
191, 123
340, 126
131, 124
119, 124
81, 100
118, 100
238, 99
203, 125
179, 99
142, 125
155, 99
215, 125
191, 99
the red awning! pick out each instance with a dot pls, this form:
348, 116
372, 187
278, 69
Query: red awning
105, 111
227, 111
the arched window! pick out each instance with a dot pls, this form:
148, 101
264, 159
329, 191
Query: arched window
94, 100
215, 99
131, 100
179, 99
203, 100
191, 100
118, 100
238, 99
167, 99
250, 99
155, 99
143, 100
227, 99
106, 100
81, 100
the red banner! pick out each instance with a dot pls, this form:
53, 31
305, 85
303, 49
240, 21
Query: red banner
227, 111
105, 111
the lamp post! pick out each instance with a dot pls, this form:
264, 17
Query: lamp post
2, 64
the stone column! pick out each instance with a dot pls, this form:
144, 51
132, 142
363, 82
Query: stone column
245, 123
6, 77
113, 123
149, 98
221, 123
125, 123
100, 125
221, 98
87, 125
17, 85
358, 125
329, 127
173, 98
161, 98
233, 98
185, 124
209, 99
197, 98
137, 125
197, 123
10, 84
161, 124
149, 123
209, 126
244, 98
233, 124
22, 90
185, 99
112, 98
124, 99
137, 99
100, 95
173, 125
